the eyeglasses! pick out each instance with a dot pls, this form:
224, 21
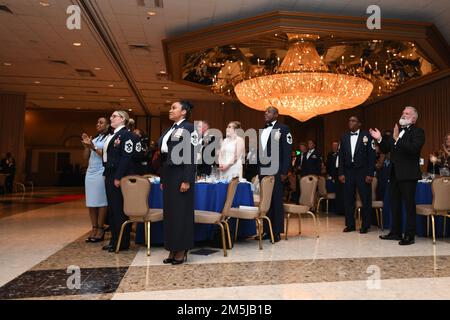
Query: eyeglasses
115, 116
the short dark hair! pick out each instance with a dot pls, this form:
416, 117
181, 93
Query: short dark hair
272, 108
188, 106
357, 118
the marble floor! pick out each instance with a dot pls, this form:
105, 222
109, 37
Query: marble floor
43, 256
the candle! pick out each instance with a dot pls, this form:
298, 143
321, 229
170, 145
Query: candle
278, 59
361, 62
342, 59
258, 62
376, 65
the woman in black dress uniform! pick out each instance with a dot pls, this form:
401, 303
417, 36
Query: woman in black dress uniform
120, 147
178, 182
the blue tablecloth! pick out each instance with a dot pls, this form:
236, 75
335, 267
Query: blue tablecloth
423, 196
208, 196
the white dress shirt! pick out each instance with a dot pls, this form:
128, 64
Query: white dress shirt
266, 134
107, 141
353, 141
164, 147
310, 152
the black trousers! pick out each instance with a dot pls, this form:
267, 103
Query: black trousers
276, 211
403, 191
340, 208
355, 178
116, 216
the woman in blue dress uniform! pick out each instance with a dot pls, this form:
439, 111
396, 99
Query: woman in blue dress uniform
94, 181
118, 162
178, 182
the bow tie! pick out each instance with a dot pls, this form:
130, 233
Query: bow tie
353, 134
269, 125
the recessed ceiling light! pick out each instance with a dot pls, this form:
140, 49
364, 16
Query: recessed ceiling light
168, 101
165, 88
60, 97
352, 56
151, 13
37, 82
44, 3
7, 64
78, 108
122, 99
110, 85
163, 72
130, 110
97, 68
77, 44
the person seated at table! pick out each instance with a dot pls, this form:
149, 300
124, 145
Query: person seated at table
440, 159
232, 151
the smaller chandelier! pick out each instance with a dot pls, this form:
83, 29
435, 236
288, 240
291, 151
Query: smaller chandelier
303, 87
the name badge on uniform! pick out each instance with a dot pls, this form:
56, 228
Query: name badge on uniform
129, 146
277, 135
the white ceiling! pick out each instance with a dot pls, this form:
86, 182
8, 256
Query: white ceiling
33, 34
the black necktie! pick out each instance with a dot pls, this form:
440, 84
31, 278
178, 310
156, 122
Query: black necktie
353, 133
269, 124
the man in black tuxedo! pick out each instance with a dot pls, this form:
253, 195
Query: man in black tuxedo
204, 167
275, 159
312, 164
356, 170
331, 160
405, 146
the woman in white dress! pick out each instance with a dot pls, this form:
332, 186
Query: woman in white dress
95, 182
231, 153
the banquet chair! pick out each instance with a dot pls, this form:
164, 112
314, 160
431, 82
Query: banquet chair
307, 199
259, 214
211, 217
135, 191
376, 204
323, 194
440, 205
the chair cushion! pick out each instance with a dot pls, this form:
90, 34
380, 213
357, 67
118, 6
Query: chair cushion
295, 208
358, 204
331, 196
377, 204
154, 215
206, 217
243, 214
425, 209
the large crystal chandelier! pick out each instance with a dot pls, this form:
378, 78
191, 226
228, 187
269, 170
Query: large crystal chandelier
303, 87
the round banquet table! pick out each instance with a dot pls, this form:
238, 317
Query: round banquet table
210, 197
423, 196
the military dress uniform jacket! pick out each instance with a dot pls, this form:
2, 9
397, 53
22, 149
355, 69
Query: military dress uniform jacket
280, 135
311, 164
184, 131
120, 152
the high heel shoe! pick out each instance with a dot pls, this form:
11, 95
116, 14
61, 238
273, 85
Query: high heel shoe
184, 259
91, 236
169, 260
95, 239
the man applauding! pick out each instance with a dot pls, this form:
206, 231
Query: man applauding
405, 146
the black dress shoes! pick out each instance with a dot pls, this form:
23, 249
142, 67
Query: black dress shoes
391, 236
168, 260
266, 236
363, 230
107, 247
407, 240
276, 237
349, 229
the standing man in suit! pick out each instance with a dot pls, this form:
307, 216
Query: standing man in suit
312, 164
274, 158
204, 167
356, 170
331, 160
405, 146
